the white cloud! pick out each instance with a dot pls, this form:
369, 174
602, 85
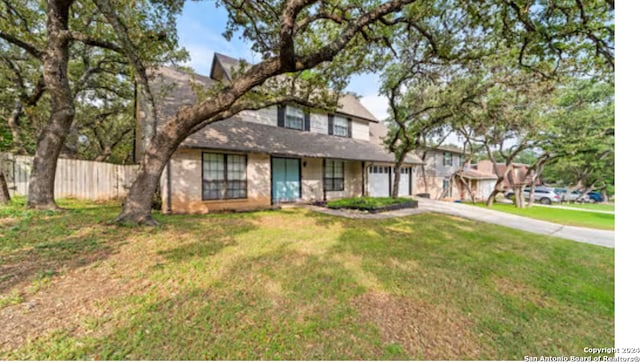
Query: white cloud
376, 104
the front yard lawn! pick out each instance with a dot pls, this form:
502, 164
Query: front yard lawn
599, 207
560, 216
294, 284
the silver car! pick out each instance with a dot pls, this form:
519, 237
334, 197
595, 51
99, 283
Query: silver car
573, 196
542, 194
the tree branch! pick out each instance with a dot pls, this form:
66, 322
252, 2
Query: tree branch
29, 48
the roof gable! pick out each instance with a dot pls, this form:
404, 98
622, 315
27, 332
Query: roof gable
223, 67
174, 87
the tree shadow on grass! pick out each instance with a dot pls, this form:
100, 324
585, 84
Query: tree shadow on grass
207, 235
460, 264
49, 258
37, 243
241, 316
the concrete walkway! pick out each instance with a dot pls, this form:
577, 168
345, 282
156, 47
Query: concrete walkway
583, 235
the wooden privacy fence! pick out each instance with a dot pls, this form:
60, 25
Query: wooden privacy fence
74, 178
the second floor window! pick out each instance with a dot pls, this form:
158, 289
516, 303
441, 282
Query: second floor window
294, 118
340, 126
447, 159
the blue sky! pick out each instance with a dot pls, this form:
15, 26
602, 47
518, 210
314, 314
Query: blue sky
200, 29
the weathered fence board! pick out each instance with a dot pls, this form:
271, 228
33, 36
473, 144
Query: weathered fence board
74, 178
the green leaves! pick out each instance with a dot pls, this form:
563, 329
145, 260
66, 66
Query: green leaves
101, 79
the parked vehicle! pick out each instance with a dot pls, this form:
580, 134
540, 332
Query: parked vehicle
542, 194
595, 196
573, 196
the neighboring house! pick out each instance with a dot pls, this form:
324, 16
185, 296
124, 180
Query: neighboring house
480, 183
435, 175
519, 172
275, 155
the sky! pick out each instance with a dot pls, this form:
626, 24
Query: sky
200, 29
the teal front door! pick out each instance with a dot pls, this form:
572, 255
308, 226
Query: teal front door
285, 179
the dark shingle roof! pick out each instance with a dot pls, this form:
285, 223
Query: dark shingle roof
172, 89
237, 135
348, 104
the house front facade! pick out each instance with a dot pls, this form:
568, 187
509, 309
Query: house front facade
435, 174
280, 154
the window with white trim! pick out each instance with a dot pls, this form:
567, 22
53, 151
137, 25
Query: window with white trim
447, 159
224, 176
294, 118
340, 126
334, 175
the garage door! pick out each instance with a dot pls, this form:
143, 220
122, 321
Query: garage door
405, 174
380, 182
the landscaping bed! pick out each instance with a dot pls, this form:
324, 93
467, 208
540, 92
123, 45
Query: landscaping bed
373, 204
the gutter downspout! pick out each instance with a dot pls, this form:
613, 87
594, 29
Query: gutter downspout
362, 186
324, 188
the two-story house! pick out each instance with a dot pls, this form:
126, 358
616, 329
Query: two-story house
434, 175
271, 156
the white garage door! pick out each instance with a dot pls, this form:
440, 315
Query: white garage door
379, 180
404, 181
379, 184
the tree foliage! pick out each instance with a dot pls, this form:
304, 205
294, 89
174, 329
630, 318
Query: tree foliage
67, 53
501, 62
582, 140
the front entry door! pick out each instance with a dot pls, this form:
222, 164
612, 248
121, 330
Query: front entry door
285, 179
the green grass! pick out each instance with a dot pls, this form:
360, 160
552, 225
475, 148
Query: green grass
366, 202
600, 207
293, 284
560, 216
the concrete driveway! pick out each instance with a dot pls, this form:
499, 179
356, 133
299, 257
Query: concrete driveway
584, 235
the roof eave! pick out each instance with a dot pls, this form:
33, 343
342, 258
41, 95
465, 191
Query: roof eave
291, 154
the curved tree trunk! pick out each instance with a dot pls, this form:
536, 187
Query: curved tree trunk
396, 178
532, 193
51, 139
137, 206
457, 177
5, 196
496, 190
189, 119
18, 146
518, 192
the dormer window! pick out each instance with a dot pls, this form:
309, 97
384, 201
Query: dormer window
340, 126
294, 118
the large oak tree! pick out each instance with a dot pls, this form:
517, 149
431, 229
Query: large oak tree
78, 53
293, 36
